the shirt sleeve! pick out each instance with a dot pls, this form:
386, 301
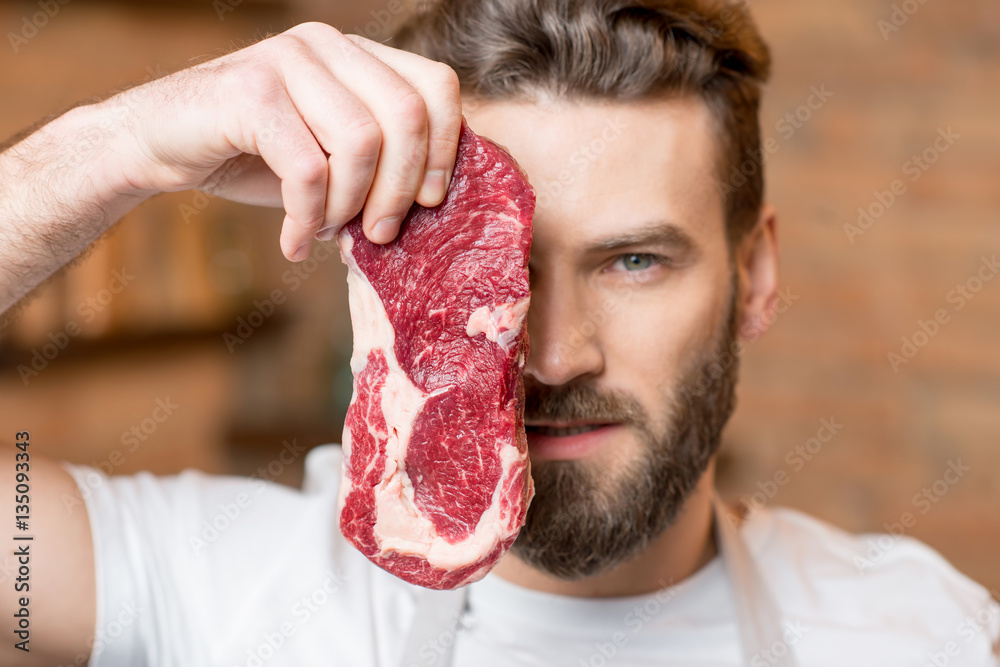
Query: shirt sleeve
889, 598
960, 618
176, 556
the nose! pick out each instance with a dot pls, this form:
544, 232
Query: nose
564, 339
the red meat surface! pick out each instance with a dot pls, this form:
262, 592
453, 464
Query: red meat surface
436, 479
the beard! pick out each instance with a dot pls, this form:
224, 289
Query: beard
584, 518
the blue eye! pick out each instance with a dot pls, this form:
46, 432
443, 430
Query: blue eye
637, 262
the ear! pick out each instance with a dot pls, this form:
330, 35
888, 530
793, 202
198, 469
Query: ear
757, 268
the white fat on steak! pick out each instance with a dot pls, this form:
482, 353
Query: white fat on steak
501, 325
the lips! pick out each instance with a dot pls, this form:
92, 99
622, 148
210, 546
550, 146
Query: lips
567, 441
562, 431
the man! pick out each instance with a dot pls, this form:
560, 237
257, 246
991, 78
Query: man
652, 250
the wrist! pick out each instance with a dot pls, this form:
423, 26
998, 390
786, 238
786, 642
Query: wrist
103, 148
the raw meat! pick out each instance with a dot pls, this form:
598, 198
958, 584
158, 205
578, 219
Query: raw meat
436, 479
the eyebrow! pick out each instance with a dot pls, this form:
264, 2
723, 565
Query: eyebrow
665, 234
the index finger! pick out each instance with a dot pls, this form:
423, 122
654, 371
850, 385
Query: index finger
438, 85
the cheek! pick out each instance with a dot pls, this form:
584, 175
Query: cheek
656, 334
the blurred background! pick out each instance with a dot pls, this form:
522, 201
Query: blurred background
185, 339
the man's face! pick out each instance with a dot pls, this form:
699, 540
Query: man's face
631, 303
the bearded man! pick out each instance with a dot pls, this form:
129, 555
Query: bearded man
653, 249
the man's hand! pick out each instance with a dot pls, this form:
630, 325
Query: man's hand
321, 123
311, 119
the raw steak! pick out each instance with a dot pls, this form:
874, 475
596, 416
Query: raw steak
436, 480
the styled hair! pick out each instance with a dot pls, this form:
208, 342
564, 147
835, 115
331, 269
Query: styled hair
626, 50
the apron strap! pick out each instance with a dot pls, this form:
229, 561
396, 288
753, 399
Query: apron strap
435, 626
436, 622
757, 614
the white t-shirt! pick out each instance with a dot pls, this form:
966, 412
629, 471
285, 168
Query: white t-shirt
197, 570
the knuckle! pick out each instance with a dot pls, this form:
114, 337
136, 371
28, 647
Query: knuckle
443, 148
359, 40
312, 216
445, 78
402, 180
349, 50
365, 138
411, 165
261, 82
314, 29
310, 168
399, 178
343, 208
396, 185
411, 110
314, 223
291, 45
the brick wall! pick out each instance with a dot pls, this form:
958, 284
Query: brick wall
864, 99
864, 283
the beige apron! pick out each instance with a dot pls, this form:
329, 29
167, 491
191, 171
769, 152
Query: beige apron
757, 613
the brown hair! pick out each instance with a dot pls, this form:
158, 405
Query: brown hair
619, 50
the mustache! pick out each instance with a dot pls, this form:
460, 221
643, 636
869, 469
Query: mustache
576, 402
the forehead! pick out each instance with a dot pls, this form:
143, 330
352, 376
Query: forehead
602, 168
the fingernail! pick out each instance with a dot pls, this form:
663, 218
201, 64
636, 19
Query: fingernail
385, 229
326, 234
301, 252
434, 186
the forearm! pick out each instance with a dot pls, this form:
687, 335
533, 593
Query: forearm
60, 190
322, 124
